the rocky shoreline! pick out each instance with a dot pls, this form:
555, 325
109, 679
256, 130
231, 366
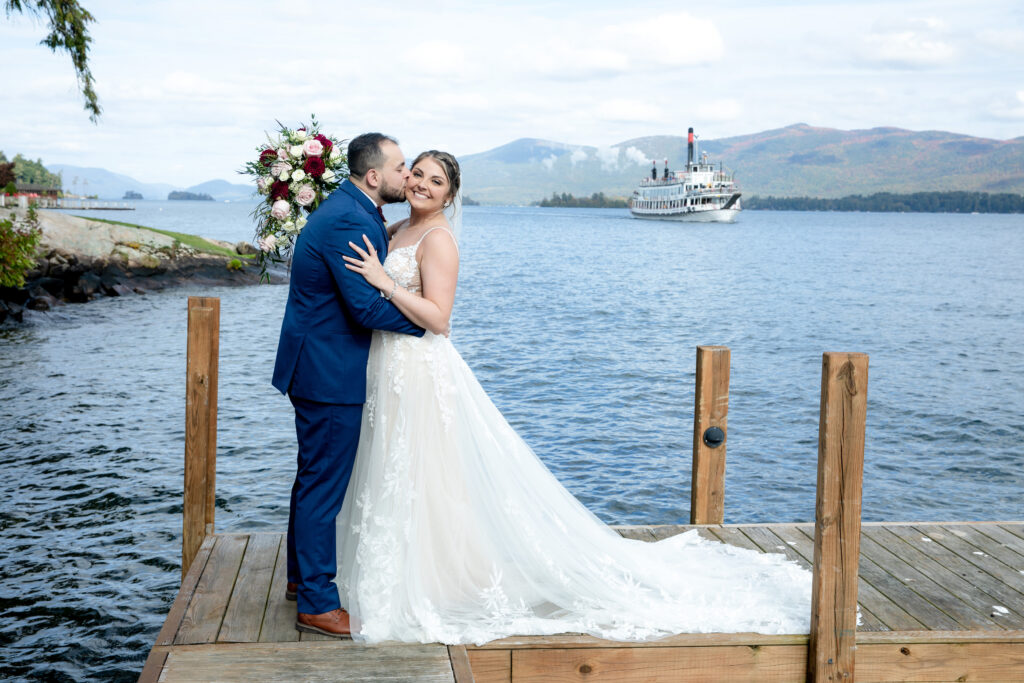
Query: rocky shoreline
80, 259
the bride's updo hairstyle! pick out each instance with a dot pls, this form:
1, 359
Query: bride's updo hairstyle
450, 166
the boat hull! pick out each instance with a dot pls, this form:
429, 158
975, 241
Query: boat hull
712, 216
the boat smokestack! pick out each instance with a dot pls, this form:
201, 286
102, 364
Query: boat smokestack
689, 147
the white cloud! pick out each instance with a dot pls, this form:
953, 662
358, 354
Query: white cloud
578, 156
673, 39
912, 44
549, 162
1009, 107
629, 110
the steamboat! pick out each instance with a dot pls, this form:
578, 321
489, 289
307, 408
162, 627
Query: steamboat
701, 193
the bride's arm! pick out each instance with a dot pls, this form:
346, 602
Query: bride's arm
439, 273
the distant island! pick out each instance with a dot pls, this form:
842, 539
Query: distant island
132, 194
914, 202
594, 201
191, 196
469, 201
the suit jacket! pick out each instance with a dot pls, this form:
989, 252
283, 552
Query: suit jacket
331, 311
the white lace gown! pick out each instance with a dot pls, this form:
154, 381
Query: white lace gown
453, 530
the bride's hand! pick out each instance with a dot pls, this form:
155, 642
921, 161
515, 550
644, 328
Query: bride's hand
370, 266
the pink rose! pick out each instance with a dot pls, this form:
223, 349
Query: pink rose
282, 154
261, 183
313, 147
305, 195
280, 209
280, 167
268, 243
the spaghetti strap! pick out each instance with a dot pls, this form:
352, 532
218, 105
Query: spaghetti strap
437, 227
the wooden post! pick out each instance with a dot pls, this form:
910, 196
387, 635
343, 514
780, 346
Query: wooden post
711, 410
200, 424
844, 389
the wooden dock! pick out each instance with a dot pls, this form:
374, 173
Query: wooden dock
936, 601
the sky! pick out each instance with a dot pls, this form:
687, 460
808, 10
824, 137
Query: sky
188, 88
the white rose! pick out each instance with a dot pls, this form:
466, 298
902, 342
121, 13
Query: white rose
299, 135
335, 153
298, 175
300, 223
328, 176
284, 175
289, 227
296, 151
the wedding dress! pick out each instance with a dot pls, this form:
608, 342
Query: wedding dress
453, 531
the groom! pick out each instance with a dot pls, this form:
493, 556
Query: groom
321, 365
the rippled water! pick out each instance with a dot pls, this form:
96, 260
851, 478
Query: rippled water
582, 325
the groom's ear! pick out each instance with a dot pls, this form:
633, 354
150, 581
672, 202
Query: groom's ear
372, 178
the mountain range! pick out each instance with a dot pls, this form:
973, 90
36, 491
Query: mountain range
799, 160
795, 161
109, 185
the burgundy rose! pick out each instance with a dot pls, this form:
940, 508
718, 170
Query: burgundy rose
314, 166
325, 141
279, 190
268, 156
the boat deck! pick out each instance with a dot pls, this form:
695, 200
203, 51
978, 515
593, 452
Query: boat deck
938, 602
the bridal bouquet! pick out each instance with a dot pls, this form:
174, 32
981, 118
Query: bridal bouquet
295, 171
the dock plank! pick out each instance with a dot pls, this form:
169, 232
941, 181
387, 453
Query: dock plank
206, 610
890, 615
989, 590
491, 666
637, 533
248, 602
1011, 576
925, 586
185, 592
987, 545
308, 662
734, 536
767, 539
279, 617
943, 588
1006, 539
890, 586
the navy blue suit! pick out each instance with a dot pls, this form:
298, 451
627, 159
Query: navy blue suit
321, 365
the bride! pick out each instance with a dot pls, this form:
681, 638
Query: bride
452, 529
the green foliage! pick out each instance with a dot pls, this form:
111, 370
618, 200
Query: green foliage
595, 201
28, 171
68, 32
18, 240
927, 202
234, 264
9, 188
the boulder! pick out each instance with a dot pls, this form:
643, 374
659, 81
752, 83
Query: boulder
17, 295
54, 286
89, 283
42, 302
15, 312
246, 248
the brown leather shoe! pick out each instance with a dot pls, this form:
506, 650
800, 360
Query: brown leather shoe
334, 623
291, 591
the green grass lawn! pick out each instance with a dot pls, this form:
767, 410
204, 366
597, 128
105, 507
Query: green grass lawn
194, 241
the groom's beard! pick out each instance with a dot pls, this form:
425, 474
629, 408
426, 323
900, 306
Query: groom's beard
391, 194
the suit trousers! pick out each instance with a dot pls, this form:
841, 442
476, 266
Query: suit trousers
328, 435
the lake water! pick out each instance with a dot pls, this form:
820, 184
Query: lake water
582, 325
